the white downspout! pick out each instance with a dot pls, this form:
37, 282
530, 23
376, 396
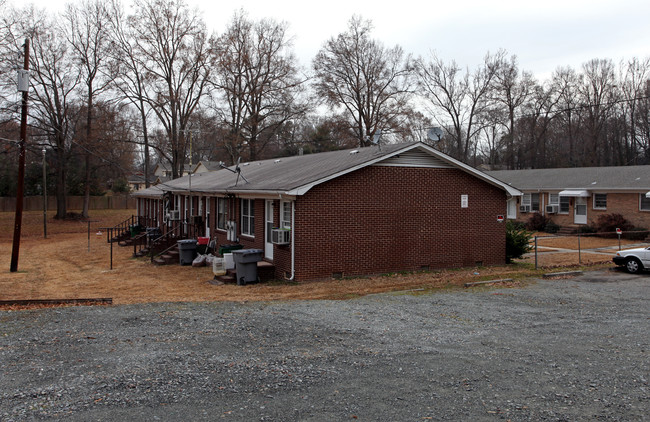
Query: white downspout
293, 240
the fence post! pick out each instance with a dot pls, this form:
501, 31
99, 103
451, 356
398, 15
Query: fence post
579, 250
535, 252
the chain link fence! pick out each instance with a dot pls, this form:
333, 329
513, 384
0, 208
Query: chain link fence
582, 248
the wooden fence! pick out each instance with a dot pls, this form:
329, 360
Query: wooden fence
35, 203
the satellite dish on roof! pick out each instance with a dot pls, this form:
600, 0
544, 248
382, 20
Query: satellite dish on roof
237, 170
376, 138
435, 134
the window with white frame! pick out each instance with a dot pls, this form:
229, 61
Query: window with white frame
600, 201
564, 204
553, 199
644, 202
248, 217
221, 213
285, 214
532, 200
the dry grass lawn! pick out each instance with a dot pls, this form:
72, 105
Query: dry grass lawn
67, 265
593, 250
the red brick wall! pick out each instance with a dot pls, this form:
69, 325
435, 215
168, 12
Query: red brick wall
386, 219
626, 204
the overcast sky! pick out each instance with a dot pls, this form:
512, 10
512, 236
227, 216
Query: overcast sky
542, 34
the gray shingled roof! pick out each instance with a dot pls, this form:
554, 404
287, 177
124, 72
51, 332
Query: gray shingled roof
210, 165
295, 175
624, 178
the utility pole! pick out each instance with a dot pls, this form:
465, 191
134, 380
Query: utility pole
23, 85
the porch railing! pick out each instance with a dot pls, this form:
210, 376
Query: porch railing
174, 233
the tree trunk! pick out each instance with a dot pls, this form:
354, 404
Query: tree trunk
61, 209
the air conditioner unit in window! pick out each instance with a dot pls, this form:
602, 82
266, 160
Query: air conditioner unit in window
281, 236
524, 208
174, 215
552, 209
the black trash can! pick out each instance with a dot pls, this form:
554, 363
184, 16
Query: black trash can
246, 264
186, 251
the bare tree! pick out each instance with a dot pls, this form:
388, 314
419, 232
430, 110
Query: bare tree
372, 84
173, 47
534, 126
597, 93
565, 83
87, 33
258, 81
634, 81
129, 77
458, 98
511, 90
53, 86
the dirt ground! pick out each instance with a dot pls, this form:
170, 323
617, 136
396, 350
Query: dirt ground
70, 264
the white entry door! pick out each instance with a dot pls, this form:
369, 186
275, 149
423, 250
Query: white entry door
268, 245
580, 211
207, 216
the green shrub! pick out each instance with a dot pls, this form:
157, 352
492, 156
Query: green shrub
519, 225
517, 241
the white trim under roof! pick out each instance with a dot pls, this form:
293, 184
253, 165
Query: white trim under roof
579, 193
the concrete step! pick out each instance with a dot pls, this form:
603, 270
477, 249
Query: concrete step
169, 259
159, 261
230, 279
141, 253
567, 230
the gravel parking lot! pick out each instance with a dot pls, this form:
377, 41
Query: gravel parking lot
571, 349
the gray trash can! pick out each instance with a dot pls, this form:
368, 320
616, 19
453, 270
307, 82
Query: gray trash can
246, 264
186, 251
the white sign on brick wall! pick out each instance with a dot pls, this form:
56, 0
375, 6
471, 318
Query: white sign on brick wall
464, 201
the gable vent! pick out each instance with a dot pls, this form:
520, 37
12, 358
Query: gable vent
415, 158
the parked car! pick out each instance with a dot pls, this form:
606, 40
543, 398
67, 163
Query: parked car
634, 260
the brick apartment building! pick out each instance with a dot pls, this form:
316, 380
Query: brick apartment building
577, 196
371, 210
